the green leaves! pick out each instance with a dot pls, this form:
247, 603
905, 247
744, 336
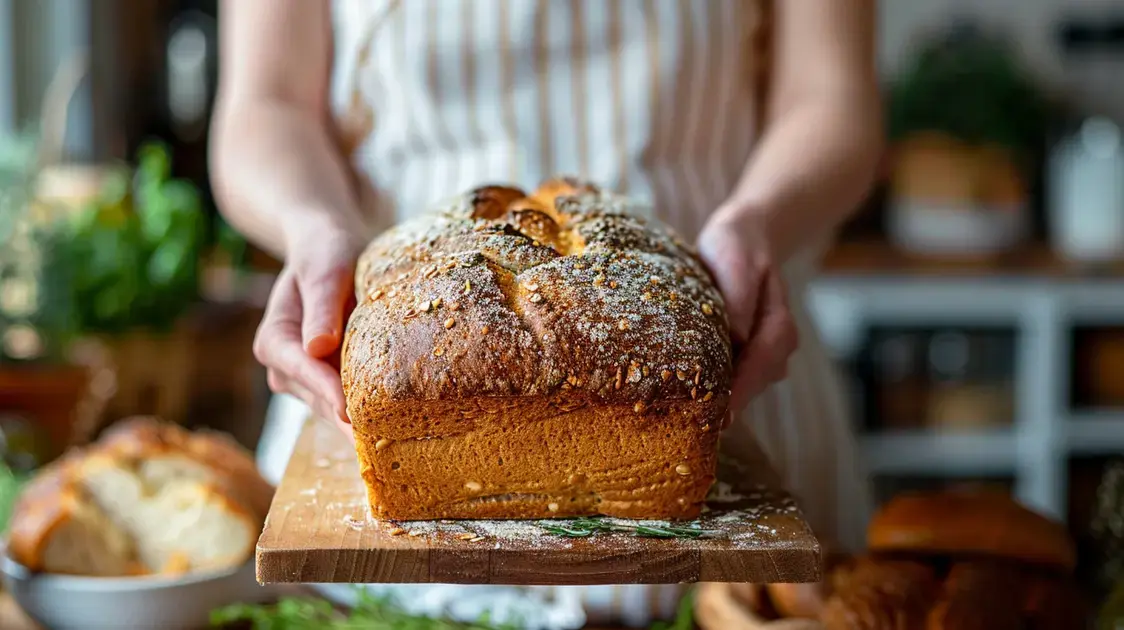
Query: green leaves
10, 486
369, 613
130, 260
684, 616
970, 86
586, 527
376, 613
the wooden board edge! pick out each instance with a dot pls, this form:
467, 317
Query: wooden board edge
485, 566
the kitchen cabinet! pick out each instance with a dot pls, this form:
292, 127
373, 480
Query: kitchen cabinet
1039, 299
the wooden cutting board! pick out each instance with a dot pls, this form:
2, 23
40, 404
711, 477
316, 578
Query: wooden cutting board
318, 530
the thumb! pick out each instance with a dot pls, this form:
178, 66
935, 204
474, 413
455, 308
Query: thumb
325, 285
722, 252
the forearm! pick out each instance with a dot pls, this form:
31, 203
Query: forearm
813, 167
275, 167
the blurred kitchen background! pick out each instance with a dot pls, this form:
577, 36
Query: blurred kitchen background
976, 304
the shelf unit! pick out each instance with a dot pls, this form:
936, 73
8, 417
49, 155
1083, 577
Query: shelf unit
1036, 450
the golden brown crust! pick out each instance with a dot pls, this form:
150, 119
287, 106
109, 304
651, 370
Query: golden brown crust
970, 523
42, 506
523, 459
561, 302
981, 596
606, 309
882, 595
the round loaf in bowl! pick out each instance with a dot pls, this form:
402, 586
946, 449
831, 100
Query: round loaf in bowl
970, 523
151, 527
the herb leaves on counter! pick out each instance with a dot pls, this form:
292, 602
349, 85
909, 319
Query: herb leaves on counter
374, 613
586, 527
370, 613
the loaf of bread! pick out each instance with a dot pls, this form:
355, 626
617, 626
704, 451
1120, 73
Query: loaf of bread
970, 523
938, 561
148, 497
516, 356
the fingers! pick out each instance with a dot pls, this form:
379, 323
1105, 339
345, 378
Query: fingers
724, 254
325, 286
764, 358
279, 347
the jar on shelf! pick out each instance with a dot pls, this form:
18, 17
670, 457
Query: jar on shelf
971, 378
1086, 207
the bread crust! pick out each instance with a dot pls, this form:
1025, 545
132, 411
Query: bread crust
43, 505
988, 524
563, 305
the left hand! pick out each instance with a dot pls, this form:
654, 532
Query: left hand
735, 246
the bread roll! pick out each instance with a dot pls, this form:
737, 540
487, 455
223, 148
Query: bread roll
527, 356
970, 523
981, 596
148, 498
882, 595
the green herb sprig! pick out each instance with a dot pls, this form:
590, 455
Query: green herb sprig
11, 484
586, 527
129, 261
377, 613
369, 613
684, 615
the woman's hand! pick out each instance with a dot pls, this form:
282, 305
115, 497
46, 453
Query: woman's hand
280, 179
299, 338
736, 249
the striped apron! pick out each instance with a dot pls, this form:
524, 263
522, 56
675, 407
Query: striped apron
652, 98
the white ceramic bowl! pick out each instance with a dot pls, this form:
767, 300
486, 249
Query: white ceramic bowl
65, 602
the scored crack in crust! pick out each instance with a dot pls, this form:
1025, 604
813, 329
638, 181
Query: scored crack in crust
553, 293
525, 307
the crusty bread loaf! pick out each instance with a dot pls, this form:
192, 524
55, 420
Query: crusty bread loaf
879, 595
970, 523
938, 564
517, 356
147, 498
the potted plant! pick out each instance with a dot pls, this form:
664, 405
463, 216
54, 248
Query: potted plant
52, 393
966, 124
123, 267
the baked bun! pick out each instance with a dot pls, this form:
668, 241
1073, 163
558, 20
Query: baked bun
149, 497
970, 523
878, 595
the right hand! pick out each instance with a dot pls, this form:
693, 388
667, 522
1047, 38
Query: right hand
300, 334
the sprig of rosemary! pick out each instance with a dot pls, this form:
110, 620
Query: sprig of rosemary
586, 527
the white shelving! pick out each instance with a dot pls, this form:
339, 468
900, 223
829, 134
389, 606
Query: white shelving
1036, 450
1097, 433
945, 454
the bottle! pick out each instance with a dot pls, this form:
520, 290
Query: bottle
1087, 202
